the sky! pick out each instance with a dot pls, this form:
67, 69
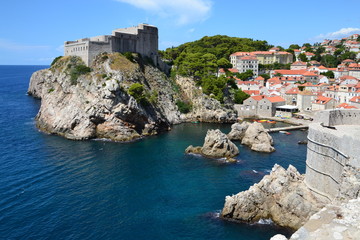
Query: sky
32, 32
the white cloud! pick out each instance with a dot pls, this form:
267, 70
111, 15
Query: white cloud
183, 11
191, 30
12, 46
344, 32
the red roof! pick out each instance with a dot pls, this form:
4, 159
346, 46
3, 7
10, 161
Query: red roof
309, 74
294, 90
233, 70
258, 98
322, 100
275, 99
290, 72
348, 77
355, 99
240, 82
299, 63
346, 106
348, 61
252, 92
248, 58
259, 78
322, 67
309, 54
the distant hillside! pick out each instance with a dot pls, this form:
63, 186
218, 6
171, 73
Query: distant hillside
203, 56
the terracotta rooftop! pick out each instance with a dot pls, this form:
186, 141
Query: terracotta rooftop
275, 99
322, 100
294, 90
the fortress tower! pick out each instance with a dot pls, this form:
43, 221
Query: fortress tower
141, 39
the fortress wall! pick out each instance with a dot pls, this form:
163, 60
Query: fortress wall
338, 117
78, 48
95, 48
330, 151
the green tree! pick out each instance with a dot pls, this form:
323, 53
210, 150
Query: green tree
329, 61
303, 57
329, 74
245, 75
294, 46
223, 63
240, 96
265, 76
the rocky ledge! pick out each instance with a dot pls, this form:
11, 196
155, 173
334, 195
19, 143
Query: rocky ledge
281, 196
83, 103
253, 135
216, 145
333, 222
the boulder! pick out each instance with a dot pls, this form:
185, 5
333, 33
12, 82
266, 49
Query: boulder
282, 196
258, 139
238, 131
216, 145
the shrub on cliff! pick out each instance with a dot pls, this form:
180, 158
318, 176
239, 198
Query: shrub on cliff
55, 60
76, 71
183, 107
138, 92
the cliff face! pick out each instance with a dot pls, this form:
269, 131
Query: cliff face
204, 108
281, 196
79, 103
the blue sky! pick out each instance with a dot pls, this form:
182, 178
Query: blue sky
32, 32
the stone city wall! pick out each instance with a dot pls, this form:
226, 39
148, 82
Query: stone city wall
331, 150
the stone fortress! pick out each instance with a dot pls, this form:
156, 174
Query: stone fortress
141, 39
333, 155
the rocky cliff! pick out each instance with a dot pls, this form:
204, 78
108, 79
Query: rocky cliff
80, 103
281, 196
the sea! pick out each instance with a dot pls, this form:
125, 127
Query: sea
54, 188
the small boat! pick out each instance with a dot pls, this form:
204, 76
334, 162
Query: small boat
302, 142
263, 120
285, 132
271, 121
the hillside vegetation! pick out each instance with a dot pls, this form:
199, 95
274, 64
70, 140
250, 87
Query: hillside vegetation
201, 59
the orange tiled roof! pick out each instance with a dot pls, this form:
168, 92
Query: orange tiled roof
294, 90
355, 99
275, 99
290, 72
258, 98
322, 100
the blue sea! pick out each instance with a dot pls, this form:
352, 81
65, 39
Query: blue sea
53, 188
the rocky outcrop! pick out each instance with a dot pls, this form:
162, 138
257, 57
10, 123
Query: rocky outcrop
258, 139
281, 196
204, 108
97, 104
83, 105
238, 131
333, 222
216, 145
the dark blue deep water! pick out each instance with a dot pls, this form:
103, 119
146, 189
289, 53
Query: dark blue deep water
53, 188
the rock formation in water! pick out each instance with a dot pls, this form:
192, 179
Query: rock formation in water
238, 131
258, 139
281, 196
216, 145
81, 103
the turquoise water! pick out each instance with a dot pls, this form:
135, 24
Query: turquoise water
53, 188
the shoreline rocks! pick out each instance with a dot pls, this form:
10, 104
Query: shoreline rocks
252, 135
281, 196
216, 145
